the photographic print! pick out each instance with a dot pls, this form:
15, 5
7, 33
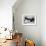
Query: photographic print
29, 20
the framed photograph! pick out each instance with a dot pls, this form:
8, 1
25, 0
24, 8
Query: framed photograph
28, 20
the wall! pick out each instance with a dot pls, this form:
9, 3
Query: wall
43, 22
6, 13
28, 7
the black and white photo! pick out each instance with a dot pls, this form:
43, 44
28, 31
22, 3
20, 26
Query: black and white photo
29, 20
